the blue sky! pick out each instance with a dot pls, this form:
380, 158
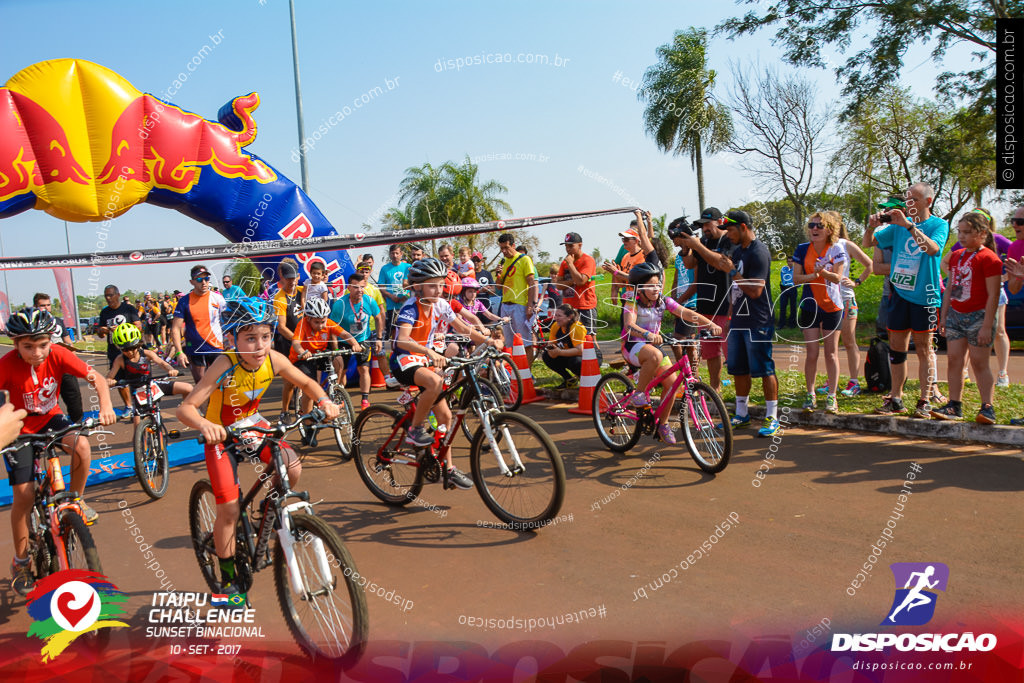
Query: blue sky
559, 119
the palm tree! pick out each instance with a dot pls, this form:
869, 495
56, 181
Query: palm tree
682, 114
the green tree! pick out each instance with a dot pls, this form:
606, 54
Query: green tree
804, 29
682, 114
246, 275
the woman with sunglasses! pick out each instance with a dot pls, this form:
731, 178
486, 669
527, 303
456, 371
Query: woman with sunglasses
847, 287
819, 265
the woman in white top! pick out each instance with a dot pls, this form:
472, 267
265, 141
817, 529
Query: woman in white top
847, 288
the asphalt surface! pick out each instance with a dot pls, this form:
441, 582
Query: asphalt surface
797, 537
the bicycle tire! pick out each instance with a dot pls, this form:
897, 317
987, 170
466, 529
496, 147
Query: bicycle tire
492, 400
506, 377
151, 466
202, 511
702, 440
80, 552
617, 432
343, 424
318, 607
543, 473
393, 483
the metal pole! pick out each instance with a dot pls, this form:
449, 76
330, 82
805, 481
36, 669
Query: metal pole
7, 290
298, 102
74, 299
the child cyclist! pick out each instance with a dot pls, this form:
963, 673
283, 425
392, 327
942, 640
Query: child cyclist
234, 384
641, 335
413, 352
470, 289
31, 374
134, 365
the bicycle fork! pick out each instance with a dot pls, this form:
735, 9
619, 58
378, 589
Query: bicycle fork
286, 536
492, 440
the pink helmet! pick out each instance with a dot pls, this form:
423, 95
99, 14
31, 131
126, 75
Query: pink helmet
470, 283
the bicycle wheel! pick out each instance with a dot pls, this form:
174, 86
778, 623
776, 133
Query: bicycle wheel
491, 396
505, 376
615, 420
531, 493
327, 616
706, 427
343, 423
202, 511
80, 551
151, 467
387, 467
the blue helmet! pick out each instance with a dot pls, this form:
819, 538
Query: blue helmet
247, 311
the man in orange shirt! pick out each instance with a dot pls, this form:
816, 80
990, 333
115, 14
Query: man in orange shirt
575, 273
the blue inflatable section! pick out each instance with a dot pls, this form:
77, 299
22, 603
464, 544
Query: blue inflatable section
114, 467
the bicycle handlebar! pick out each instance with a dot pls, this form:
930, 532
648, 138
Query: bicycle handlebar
124, 383
276, 431
331, 353
47, 438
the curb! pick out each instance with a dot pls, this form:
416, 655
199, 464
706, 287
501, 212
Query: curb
970, 432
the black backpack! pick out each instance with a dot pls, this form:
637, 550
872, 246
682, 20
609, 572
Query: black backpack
876, 367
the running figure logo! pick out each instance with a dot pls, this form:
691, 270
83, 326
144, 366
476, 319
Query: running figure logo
914, 603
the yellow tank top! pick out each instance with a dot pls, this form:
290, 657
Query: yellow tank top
238, 391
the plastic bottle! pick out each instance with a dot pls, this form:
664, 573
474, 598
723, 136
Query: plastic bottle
56, 475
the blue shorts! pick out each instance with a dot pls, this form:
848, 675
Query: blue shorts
904, 316
519, 324
750, 352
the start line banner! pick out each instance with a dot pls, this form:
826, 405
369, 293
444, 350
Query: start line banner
289, 246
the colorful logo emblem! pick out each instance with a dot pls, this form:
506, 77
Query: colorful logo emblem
69, 604
914, 603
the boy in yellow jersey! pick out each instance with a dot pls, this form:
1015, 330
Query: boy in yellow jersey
234, 384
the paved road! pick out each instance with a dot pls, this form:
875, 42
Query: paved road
795, 543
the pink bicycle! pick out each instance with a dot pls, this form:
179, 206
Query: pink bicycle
703, 417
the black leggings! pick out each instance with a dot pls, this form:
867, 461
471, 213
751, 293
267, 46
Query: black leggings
564, 365
72, 396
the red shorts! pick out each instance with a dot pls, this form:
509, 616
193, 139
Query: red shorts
716, 347
222, 466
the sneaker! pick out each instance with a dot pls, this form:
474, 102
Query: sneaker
822, 390
22, 580
88, 514
923, 410
419, 436
770, 428
832, 404
810, 402
740, 421
391, 382
852, 389
364, 404
572, 382
1017, 421
948, 412
460, 479
666, 433
640, 399
987, 415
1003, 380
891, 406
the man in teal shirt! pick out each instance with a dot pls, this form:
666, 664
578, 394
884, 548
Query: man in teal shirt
916, 238
392, 281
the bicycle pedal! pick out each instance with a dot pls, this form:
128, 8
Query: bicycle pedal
173, 434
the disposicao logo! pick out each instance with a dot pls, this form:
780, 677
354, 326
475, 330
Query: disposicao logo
914, 605
69, 604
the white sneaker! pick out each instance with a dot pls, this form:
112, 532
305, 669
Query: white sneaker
391, 382
1003, 380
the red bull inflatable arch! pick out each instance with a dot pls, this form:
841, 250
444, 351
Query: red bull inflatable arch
79, 142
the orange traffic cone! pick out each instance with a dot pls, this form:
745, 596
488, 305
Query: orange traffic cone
590, 373
519, 358
377, 380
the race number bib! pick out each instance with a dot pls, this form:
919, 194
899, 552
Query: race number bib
906, 266
411, 360
250, 442
148, 393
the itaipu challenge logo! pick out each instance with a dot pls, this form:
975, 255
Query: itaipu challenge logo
70, 604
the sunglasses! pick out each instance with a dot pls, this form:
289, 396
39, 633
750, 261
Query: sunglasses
815, 226
1017, 221
202, 278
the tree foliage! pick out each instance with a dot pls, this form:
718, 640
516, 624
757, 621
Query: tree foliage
805, 28
682, 114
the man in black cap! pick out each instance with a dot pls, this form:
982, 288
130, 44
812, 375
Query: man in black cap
198, 314
288, 303
704, 255
684, 286
574, 274
752, 328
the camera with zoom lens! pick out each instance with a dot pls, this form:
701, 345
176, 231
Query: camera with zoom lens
885, 218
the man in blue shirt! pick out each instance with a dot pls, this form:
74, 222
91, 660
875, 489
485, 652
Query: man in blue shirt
353, 312
752, 327
392, 280
787, 299
916, 238
684, 286
231, 291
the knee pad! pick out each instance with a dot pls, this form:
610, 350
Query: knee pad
897, 357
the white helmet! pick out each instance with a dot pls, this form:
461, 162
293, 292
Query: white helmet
317, 308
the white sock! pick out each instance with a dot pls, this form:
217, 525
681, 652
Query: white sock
771, 409
741, 406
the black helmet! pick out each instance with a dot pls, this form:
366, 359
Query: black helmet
30, 322
642, 272
426, 269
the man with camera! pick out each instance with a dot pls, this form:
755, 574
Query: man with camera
916, 238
